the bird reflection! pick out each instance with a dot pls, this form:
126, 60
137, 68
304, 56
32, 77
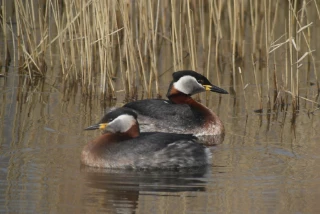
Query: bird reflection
122, 188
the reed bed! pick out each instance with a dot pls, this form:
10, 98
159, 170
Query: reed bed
120, 46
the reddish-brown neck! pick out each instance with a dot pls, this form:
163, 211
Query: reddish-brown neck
97, 150
180, 98
134, 131
199, 110
173, 92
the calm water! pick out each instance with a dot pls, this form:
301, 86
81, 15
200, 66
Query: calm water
268, 163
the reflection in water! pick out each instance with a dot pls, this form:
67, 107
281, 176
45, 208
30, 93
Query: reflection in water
146, 180
122, 188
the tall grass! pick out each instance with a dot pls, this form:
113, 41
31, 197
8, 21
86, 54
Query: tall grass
118, 46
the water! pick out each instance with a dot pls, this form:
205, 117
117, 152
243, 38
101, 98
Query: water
268, 163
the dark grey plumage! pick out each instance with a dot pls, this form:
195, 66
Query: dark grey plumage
156, 150
159, 114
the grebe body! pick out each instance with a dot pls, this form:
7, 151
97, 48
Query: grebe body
123, 146
181, 113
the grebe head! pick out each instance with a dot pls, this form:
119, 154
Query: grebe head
119, 120
190, 82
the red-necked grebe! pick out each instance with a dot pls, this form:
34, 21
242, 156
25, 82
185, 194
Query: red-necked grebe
181, 113
123, 146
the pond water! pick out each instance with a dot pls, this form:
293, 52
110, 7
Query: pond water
268, 162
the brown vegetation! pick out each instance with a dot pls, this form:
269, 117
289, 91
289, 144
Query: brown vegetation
110, 46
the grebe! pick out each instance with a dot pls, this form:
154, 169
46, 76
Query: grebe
181, 113
123, 146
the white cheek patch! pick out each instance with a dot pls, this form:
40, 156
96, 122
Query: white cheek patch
188, 85
122, 123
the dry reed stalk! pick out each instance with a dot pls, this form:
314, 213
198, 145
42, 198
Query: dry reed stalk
121, 57
298, 49
55, 17
286, 59
256, 81
291, 43
190, 36
148, 26
86, 57
175, 49
243, 88
4, 31
233, 29
218, 11
267, 43
153, 43
15, 61
254, 21
274, 17
105, 59
211, 15
275, 82
239, 37
202, 24
181, 33
128, 47
143, 72
309, 65
177, 34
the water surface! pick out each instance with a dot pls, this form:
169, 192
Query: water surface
268, 162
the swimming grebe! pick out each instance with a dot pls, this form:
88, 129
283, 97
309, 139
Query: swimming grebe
181, 113
123, 146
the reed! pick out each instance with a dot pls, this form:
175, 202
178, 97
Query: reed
244, 90
112, 47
